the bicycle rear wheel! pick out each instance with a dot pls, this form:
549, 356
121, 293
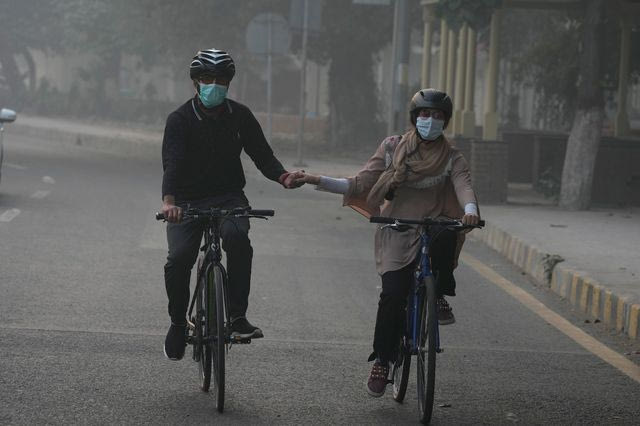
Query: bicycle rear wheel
217, 311
400, 373
202, 346
427, 345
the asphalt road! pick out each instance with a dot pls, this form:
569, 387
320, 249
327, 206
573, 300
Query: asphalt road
83, 316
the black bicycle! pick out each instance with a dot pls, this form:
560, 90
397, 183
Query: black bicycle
421, 336
209, 325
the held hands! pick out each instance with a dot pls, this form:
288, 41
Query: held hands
292, 180
298, 178
307, 178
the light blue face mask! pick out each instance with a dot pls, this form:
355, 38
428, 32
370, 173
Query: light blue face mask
212, 95
430, 129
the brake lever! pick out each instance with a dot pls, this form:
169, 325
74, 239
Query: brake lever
459, 225
396, 227
253, 216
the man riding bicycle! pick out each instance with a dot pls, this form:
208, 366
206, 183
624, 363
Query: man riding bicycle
412, 176
203, 140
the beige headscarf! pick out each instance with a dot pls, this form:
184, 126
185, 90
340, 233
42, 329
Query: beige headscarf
413, 160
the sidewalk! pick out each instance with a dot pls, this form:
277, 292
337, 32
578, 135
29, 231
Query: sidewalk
590, 258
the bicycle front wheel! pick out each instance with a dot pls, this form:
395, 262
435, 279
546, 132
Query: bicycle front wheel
202, 346
217, 312
400, 373
427, 345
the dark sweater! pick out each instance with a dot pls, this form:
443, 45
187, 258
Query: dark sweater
201, 154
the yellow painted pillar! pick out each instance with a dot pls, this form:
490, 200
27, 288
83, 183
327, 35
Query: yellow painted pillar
444, 49
428, 20
469, 115
451, 62
621, 124
461, 73
490, 130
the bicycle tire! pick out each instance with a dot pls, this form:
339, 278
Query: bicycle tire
217, 316
400, 373
426, 357
202, 349
196, 346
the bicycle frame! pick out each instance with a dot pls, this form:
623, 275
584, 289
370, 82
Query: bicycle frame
414, 319
212, 256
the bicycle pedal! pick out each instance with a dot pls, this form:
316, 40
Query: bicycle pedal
439, 350
240, 340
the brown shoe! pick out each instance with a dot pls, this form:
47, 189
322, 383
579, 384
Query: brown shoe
378, 380
445, 313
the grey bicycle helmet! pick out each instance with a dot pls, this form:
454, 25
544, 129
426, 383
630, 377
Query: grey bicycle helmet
431, 98
212, 62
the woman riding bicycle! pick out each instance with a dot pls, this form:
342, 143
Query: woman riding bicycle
413, 176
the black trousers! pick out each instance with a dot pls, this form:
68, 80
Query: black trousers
184, 240
396, 285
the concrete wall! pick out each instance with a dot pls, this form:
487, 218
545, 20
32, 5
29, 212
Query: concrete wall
616, 179
488, 161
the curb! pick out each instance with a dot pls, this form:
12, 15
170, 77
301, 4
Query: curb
584, 293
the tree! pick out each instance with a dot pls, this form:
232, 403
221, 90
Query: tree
156, 32
536, 40
352, 35
584, 139
25, 24
475, 13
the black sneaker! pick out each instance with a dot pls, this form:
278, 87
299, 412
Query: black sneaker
445, 313
175, 342
242, 329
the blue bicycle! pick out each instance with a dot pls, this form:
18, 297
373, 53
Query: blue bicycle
421, 335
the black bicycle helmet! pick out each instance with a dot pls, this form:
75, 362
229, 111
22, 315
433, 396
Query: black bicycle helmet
431, 98
212, 62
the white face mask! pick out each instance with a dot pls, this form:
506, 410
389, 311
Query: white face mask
429, 128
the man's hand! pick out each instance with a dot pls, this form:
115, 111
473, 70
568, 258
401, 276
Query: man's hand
292, 180
172, 213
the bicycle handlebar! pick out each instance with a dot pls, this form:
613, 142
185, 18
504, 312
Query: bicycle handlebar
261, 212
237, 212
425, 222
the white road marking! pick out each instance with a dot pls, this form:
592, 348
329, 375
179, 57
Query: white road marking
14, 166
48, 179
9, 215
577, 335
40, 194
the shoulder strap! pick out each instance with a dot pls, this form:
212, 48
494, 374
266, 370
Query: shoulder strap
390, 145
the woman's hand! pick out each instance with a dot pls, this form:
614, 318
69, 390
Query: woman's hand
470, 219
307, 178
